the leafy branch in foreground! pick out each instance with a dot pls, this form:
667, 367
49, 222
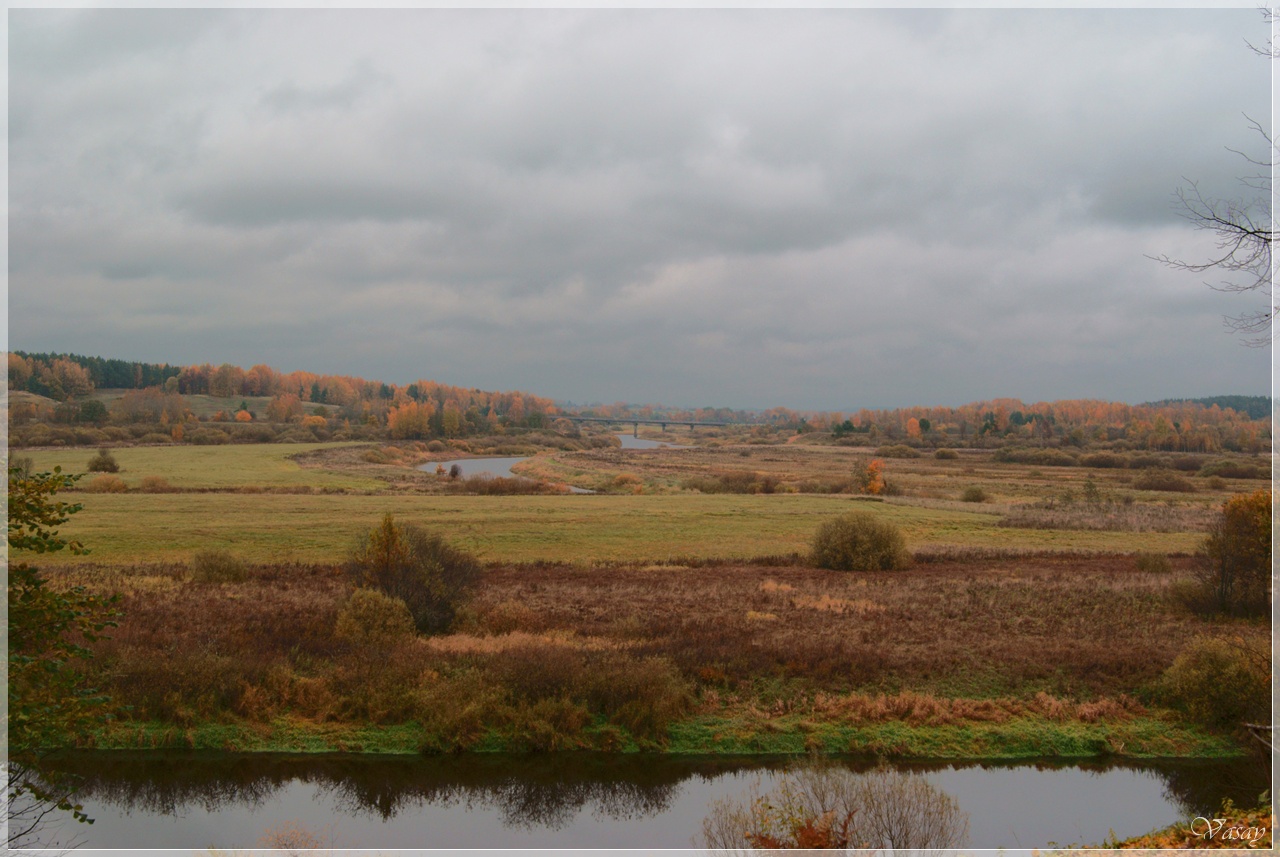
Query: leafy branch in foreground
49, 703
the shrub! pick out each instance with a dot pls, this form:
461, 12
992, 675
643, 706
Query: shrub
106, 484
218, 566
1221, 682
103, 462
974, 494
1104, 459
420, 569
371, 617
156, 485
208, 437
946, 455
732, 482
1234, 470
1148, 461
1152, 563
1235, 559
253, 434
1162, 480
859, 541
1038, 457
897, 450
89, 437
24, 465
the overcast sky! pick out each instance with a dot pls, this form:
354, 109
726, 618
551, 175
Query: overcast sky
817, 209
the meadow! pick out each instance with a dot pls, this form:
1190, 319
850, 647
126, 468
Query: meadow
675, 609
308, 502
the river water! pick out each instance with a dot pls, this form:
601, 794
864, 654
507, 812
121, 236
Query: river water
193, 800
500, 467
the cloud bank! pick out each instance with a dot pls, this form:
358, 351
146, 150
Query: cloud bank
820, 209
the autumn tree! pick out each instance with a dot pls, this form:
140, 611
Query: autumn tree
870, 476
284, 408
411, 420
1235, 571
65, 379
20, 371
150, 405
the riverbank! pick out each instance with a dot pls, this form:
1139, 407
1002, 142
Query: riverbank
1018, 738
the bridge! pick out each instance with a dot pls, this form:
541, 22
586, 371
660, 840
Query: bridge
637, 422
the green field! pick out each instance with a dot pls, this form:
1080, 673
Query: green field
221, 466
127, 528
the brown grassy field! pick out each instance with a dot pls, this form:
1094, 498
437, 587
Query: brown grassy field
543, 651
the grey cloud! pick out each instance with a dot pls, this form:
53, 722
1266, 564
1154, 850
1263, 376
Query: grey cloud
780, 207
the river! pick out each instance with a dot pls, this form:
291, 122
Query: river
500, 467
194, 800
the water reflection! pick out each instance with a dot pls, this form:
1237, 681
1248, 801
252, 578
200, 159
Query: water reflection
548, 791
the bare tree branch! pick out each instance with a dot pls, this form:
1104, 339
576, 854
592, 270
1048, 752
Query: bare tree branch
1243, 228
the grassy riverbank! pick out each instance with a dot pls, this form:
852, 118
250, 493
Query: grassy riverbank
1022, 738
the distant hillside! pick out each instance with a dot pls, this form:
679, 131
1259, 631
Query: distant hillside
1257, 407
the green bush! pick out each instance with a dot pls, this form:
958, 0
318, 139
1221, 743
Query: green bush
859, 541
1221, 683
218, 566
974, 494
371, 617
103, 462
946, 454
429, 576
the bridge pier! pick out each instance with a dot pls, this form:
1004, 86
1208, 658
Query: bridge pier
635, 430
